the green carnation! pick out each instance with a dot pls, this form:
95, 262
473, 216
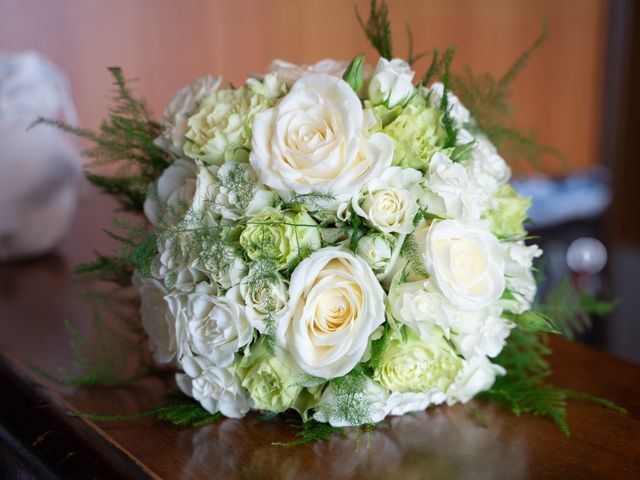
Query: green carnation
413, 365
507, 218
279, 236
271, 383
223, 122
417, 134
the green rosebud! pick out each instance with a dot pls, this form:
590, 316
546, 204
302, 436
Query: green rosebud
271, 381
353, 74
413, 365
507, 218
417, 134
222, 123
280, 236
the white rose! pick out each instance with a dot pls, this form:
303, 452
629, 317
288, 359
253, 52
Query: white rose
335, 304
172, 193
240, 194
374, 397
466, 261
477, 375
377, 250
182, 105
519, 276
389, 202
290, 73
157, 320
392, 83
177, 265
458, 111
211, 326
450, 192
420, 306
316, 140
263, 299
217, 389
480, 332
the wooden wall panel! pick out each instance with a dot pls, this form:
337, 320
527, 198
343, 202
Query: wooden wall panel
166, 43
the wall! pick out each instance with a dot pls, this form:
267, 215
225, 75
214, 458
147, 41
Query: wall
166, 43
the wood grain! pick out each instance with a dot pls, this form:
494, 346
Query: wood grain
167, 43
443, 442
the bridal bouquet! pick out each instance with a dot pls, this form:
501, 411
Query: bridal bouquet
336, 239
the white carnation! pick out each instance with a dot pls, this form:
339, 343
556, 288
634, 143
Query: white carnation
157, 320
485, 167
477, 375
172, 193
450, 192
182, 105
480, 332
459, 113
519, 276
217, 389
290, 73
399, 403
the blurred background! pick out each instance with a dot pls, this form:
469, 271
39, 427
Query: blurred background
576, 94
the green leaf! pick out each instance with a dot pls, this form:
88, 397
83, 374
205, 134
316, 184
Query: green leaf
353, 73
463, 152
356, 222
534, 322
377, 28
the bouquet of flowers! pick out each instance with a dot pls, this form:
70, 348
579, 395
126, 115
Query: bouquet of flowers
333, 239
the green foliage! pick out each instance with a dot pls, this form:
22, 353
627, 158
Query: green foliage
571, 309
353, 73
349, 403
411, 253
177, 409
125, 140
524, 389
377, 28
356, 223
379, 347
312, 202
411, 56
534, 322
312, 432
451, 132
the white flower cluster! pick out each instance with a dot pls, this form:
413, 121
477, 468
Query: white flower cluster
311, 231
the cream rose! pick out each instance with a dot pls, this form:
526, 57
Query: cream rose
466, 260
389, 202
316, 140
392, 83
335, 304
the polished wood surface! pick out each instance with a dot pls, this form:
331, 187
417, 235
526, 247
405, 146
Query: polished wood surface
37, 296
167, 43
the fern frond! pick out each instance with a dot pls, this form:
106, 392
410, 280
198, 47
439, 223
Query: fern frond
377, 28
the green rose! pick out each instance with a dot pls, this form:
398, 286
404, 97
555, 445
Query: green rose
413, 365
417, 134
222, 122
273, 234
272, 383
507, 218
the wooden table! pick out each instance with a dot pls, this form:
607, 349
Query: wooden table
39, 439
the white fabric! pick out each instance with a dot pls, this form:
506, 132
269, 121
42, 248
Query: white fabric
39, 168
